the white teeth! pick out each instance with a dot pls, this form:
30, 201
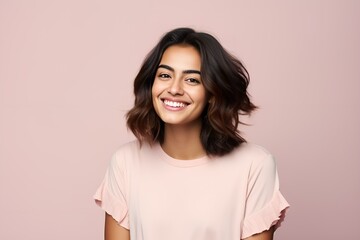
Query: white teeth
174, 104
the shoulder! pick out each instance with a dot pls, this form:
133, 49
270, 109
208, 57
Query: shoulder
251, 152
128, 148
132, 153
252, 149
125, 153
254, 156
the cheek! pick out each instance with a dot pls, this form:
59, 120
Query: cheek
155, 90
200, 96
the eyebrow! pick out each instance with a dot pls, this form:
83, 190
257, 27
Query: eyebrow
172, 69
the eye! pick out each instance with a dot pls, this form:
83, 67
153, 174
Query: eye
192, 81
164, 75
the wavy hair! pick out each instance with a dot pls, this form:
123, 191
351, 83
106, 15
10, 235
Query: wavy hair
225, 80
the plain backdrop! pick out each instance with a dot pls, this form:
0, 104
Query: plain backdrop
66, 73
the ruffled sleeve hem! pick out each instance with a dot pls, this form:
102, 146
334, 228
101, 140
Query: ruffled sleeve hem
271, 215
112, 205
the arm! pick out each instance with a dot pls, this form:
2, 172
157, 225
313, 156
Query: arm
113, 231
266, 235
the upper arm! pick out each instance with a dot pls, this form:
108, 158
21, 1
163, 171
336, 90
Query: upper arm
114, 231
266, 235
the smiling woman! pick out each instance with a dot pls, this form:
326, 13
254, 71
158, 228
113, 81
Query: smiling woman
190, 175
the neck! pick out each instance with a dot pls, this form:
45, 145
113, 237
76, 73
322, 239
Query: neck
183, 142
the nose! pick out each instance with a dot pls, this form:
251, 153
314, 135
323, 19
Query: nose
175, 88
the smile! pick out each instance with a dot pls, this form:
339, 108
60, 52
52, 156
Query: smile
174, 104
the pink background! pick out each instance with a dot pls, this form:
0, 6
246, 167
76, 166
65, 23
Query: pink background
66, 72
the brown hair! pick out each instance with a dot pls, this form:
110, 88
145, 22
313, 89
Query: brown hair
225, 80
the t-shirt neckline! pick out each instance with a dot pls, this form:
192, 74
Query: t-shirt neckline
178, 162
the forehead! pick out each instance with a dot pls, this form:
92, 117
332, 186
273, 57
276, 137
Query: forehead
182, 57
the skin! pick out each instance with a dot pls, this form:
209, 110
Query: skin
179, 98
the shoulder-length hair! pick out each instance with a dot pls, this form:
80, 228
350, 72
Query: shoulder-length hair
225, 80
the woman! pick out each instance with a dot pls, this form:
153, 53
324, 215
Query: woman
189, 174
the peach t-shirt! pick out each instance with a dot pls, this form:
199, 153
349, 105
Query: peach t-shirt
160, 198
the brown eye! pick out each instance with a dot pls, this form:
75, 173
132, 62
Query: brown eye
164, 75
192, 81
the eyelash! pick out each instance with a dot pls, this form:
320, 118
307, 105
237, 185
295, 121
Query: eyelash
193, 80
189, 80
164, 75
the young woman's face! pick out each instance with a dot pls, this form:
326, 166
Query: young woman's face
178, 94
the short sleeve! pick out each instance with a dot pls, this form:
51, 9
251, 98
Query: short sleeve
265, 205
111, 195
